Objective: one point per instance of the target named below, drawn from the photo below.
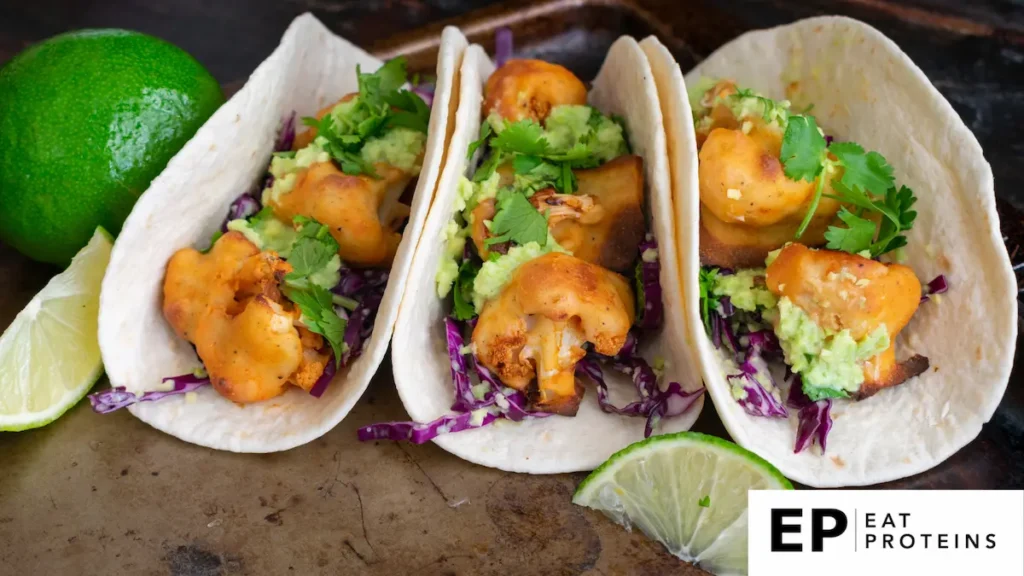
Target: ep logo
(822, 523)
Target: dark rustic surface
(90, 494)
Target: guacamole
(399, 147)
(267, 233)
(745, 289)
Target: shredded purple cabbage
(285, 134)
(650, 281)
(464, 399)
(654, 403)
(502, 46)
(111, 399)
(420, 433)
(320, 386)
(938, 285)
(814, 418)
(425, 90)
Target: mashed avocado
(494, 274)
(745, 289)
(568, 125)
(472, 193)
(328, 276)
(285, 170)
(267, 233)
(829, 363)
(448, 269)
(400, 147)
(745, 104)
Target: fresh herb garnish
(485, 133)
(463, 293)
(382, 104)
(708, 301)
(318, 316)
(312, 251)
(866, 183)
(705, 502)
(517, 220)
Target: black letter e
(779, 528)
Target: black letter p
(818, 532)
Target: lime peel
(49, 355)
(659, 484)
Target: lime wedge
(49, 355)
(687, 491)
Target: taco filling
(549, 267)
(287, 292)
(800, 238)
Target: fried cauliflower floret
(350, 207)
(842, 291)
(529, 89)
(748, 205)
(602, 223)
(536, 328)
(228, 304)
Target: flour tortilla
(865, 89)
(188, 201)
(555, 444)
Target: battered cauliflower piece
(536, 328)
(228, 304)
(841, 291)
(353, 208)
(748, 205)
(602, 223)
(529, 89)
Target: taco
(253, 323)
(836, 195)
(547, 265)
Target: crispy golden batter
(523, 89)
(748, 205)
(349, 206)
(227, 302)
(537, 326)
(603, 222)
(841, 291)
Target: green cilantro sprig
(518, 221)
(382, 105)
(463, 292)
(707, 280)
(312, 251)
(866, 183)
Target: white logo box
(916, 532)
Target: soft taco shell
(624, 86)
(865, 89)
(188, 201)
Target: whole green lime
(87, 120)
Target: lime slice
(49, 355)
(687, 491)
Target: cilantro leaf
(869, 172)
(524, 164)
(463, 293)
(413, 111)
(485, 133)
(708, 301)
(392, 74)
(517, 220)
(803, 149)
(856, 237)
(319, 317)
(522, 137)
(311, 252)
(566, 182)
(484, 171)
(889, 237)
(705, 502)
